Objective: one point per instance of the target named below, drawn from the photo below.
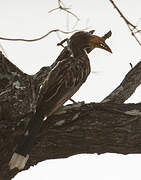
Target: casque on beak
(99, 42)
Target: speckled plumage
(63, 81)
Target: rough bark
(127, 87)
(77, 128)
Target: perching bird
(63, 81)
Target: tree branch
(89, 128)
(61, 7)
(39, 38)
(127, 87)
(130, 25)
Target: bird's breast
(77, 73)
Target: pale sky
(30, 19)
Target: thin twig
(138, 31)
(130, 25)
(61, 7)
(121, 14)
(131, 65)
(74, 102)
(37, 39)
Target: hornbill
(63, 81)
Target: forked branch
(133, 28)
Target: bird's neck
(77, 52)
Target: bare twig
(61, 7)
(138, 31)
(37, 39)
(130, 25)
(62, 42)
(131, 65)
(107, 35)
(74, 102)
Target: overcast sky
(30, 19)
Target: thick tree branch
(89, 128)
(127, 87)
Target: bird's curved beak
(99, 42)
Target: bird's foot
(18, 161)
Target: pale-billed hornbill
(63, 81)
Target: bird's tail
(21, 154)
(18, 161)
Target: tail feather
(24, 147)
(18, 161)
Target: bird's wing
(65, 53)
(61, 83)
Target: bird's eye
(102, 45)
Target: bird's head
(86, 40)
